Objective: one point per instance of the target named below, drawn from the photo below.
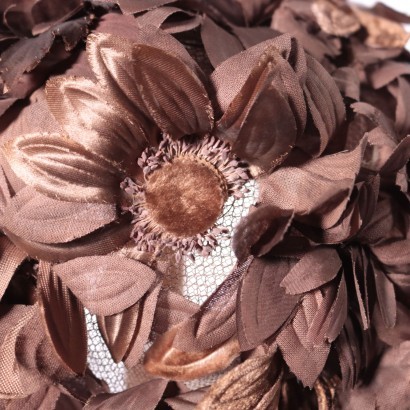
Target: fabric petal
(162, 86)
(305, 359)
(219, 44)
(61, 168)
(260, 122)
(106, 285)
(260, 231)
(38, 218)
(144, 396)
(313, 270)
(147, 307)
(319, 188)
(105, 240)
(11, 258)
(102, 127)
(64, 318)
(263, 306)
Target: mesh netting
(199, 280)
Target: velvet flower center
(186, 184)
(185, 197)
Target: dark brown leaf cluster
(313, 95)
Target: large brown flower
(110, 156)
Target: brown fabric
(10, 259)
(91, 280)
(188, 204)
(310, 286)
(64, 319)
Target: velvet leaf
(253, 384)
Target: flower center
(182, 195)
(186, 196)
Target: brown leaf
(188, 400)
(403, 107)
(5, 192)
(38, 218)
(296, 18)
(325, 104)
(11, 258)
(179, 20)
(389, 386)
(15, 382)
(144, 396)
(106, 285)
(251, 36)
(26, 54)
(393, 253)
(382, 32)
(285, 54)
(264, 97)
(118, 330)
(304, 358)
(134, 6)
(219, 44)
(260, 231)
(254, 384)
(320, 188)
(263, 306)
(337, 314)
(160, 84)
(172, 308)
(335, 19)
(147, 307)
(313, 270)
(61, 168)
(105, 240)
(215, 321)
(101, 126)
(45, 398)
(64, 319)
(348, 81)
(386, 296)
